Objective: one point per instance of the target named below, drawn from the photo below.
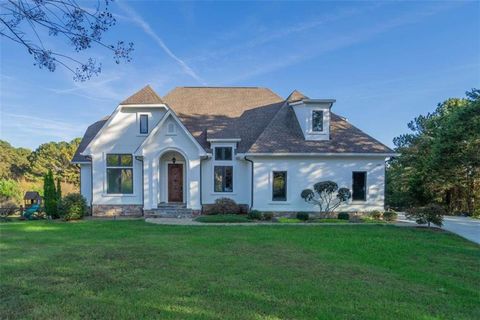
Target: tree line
(22, 169)
(439, 160)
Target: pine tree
(59, 190)
(50, 195)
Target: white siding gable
(303, 112)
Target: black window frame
(224, 181)
(121, 168)
(285, 186)
(315, 118)
(355, 196)
(143, 116)
(223, 154)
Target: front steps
(169, 210)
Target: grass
(289, 220)
(223, 218)
(135, 270)
(328, 220)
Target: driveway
(465, 227)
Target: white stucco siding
(86, 182)
(160, 144)
(241, 182)
(303, 173)
(303, 113)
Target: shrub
(428, 214)
(476, 213)
(268, 216)
(344, 216)
(72, 207)
(326, 195)
(304, 216)
(390, 215)
(224, 206)
(376, 215)
(8, 208)
(255, 215)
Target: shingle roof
(31, 195)
(87, 137)
(264, 121)
(224, 112)
(145, 95)
(284, 135)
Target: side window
(223, 179)
(119, 174)
(317, 120)
(223, 153)
(279, 186)
(359, 186)
(143, 124)
(171, 128)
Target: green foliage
(267, 216)
(255, 215)
(223, 206)
(223, 218)
(326, 195)
(72, 207)
(288, 220)
(50, 196)
(20, 163)
(390, 215)
(304, 216)
(376, 215)
(428, 214)
(343, 216)
(439, 160)
(59, 190)
(9, 190)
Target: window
(223, 153)
(359, 186)
(120, 173)
(279, 186)
(223, 179)
(317, 120)
(143, 124)
(171, 128)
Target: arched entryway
(172, 177)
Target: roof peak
(296, 96)
(146, 95)
(220, 87)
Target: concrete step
(169, 212)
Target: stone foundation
(127, 210)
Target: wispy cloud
(139, 21)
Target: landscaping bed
(132, 269)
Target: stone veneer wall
(106, 210)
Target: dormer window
(143, 124)
(317, 120)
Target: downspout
(251, 182)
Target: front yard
(136, 270)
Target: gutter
(251, 184)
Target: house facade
(198, 144)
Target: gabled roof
(284, 135)
(224, 112)
(296, 96)
(145, 95)
(32, 195)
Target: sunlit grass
(136, 270)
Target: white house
(198, 144)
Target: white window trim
(366, 188)
(231, 163)
(138, 123)
(105, 182)
(310, 130)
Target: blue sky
(384, 62)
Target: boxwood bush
(343, 216)
(304, 216)
(390, 215)
(72, 207)
(255, 215)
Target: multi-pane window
(317, 120)
(279, 186)
(143, 124)
(223, 179)
(119, 173)
(223, 153)
(359, 186)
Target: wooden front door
(175, 182)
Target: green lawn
(132, 269)
(223, 218)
